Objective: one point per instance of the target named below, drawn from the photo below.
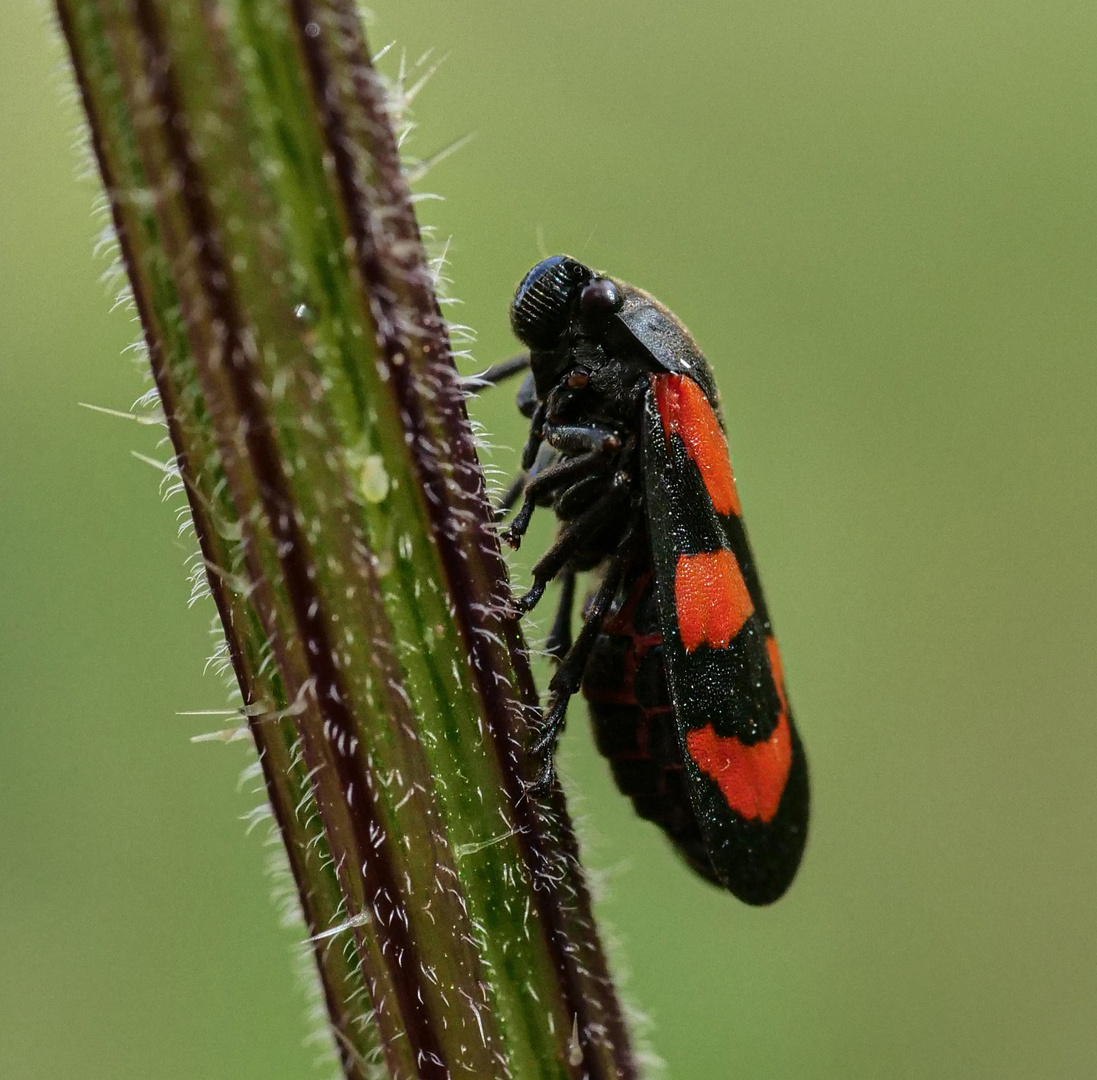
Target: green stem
(308, 387)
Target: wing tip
(758, 861)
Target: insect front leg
(536, 437)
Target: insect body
(676, 655)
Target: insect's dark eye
(542, 305)
(599, 298)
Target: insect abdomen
(625, 685)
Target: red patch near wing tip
(711, 599)
(751, 778)
(686, 411)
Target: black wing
(747, 775)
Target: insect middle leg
(570, 541)
(545, 482)
(588, 447)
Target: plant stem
(319, 429)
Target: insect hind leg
(569, 675)
(558, 643)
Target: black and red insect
(676, 655)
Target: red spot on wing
(686, 412)
(751, 778)
(711, 599)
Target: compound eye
(542, 305)
(599, 298)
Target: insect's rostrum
(676, 654)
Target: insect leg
(566, 471)
(517, 529)
(536, 437)
(497, 373)
(553, 561)
(552, 476)
(582, 438)
(558, 642)
(569, 675)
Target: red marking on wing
(711, 599)
(751, 778)
(685, 411)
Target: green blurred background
(880, 223)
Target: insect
(676, 655)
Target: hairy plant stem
(320, 434)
